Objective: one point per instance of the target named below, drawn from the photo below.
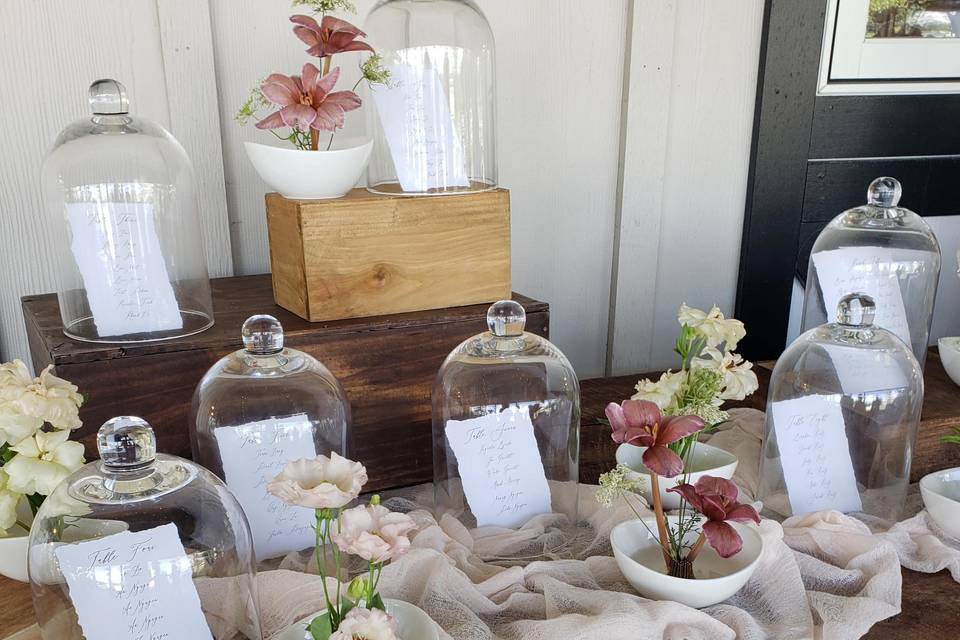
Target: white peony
(366, 624)
(15, 425)
(713, 326)
(8, 503)
(43, 461)
(739, 380)
(662, 393)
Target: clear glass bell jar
(841, 423)
(885, 251)
(123, 226)
(257, 409)
(140, 544)
(434, 123)
(506, 431)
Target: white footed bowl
(641, 563)
(311, 175)
(13, 555)
(412, 623)
(949, 349)
(706, 461)
(941, 496)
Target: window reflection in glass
(913, 19)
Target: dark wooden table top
(930, 601)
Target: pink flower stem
(695, 551)
(661, 519)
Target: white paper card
(865, 370)
(415, 115)
(252, 455)
(134, 585)
(868, 270)
(500, 467)
(815, 455)
(118, 254)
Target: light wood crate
(369, 255)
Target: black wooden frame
(812, 156)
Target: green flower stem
(321, 530)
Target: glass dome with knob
(506, 427)
(254, 411)
(123, 225)
(142, 544)
(885, 251)
(842, 415)
(434, 126)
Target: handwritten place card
(118, 254)
(415, 115)
(500, 467)
(815, 454)
(865, 370)
(252, 455)
(134, 585)
(875, 271)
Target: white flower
(8, 503)
(713, 326)
(321, 483)
(374, 533)
(739, 380)
(15, 425)
(43, 461)
(14, 380)
(366, 624)
(53, 400)
(663, 392)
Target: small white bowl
(641, 563)
(13, 554)
(706, 461)
(412, 623)
(311, 175)
(941, 496)
(949, 349)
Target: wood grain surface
(370, 255)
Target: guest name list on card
(815, 454)
(500, 467)
(252, 455)
(137, 586)
(120, 261)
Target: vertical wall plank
(186, 42)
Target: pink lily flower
(640, 422)
(331, 36)
(307, 101)
(716, 498)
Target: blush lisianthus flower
(640, 423)
(374, 533)
(330, 37)
(42, 462)
(716, 498)
(307, 101)
(320, 483)
(366, 624)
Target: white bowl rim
(951, 342)
(743, 528)
(388, 601)
(927, 481)
(722, 453)
(362, 142)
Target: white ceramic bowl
(311, 175)
(13, 555)
(706, 461)
(412, 623)
(941, 496)
(949, 349)
(641, 563)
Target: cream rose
(662, 393)
(374, 533)
(43, 461)
(366, 624)
(53, 400)
(321, 483)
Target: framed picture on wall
(890, 47)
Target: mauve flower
(331, 36)
(640, 422)
(307, 101)
(374, 533)
(321, 483)
(366, 624)
(716, 498)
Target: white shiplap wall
(615, 136)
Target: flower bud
(357, 588)
(375, 500)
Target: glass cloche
(124, 228)
(842, 414)
(254, 411)
(884, 251)
(140, 544)
(434, 124)
(506, 429)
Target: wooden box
(368, 255)
(386, 364)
